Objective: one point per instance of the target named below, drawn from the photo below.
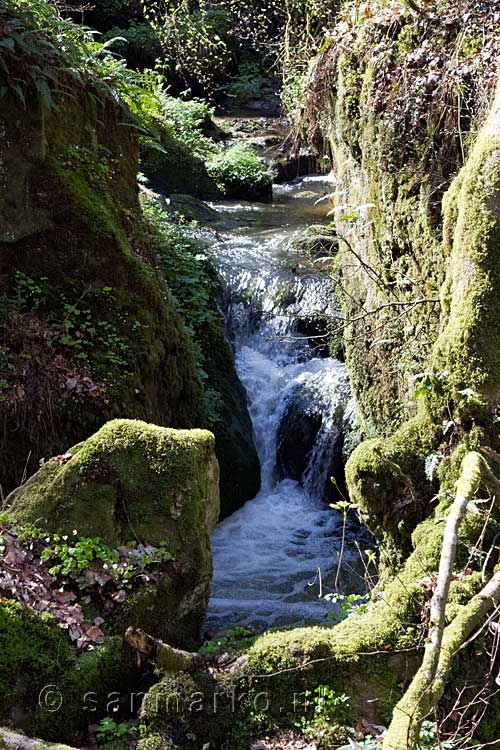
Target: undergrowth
(192, 279)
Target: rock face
(136, 481)
(89, 331)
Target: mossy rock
(133, 480)
(191, 709)
(313, 242)
(241, 174)
(387, 481)
(175, 169)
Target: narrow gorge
(249, 375)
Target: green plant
(430, 740)
(231, 641)
(322, 705)
(108, 730)
(350, 604)
(139, 44)
(239, 170)
(73, 558)
(248, 82)
(91, 338)
(344, 506)
(30, 292)
(43, 52)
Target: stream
(274, 556)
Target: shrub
(240, 173)
(139, 44)
(249, 81)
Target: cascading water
(267, 554)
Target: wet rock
(314, 242)
(193, 208)
(311, 433)
(289, 166)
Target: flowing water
(267, 554)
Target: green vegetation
(109, 308)
(322, 706)
(35, 654)
(240, 173)
(155, 485)
(232, 641)
(249, 81)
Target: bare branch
(427, 686)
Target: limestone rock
(136, 481)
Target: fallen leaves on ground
(26, 579)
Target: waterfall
(267, 554)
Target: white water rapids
(267, 554)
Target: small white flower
(115, 566)
(47, 539)
(75, 532)
(65, 537)
(105, 566)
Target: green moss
(386, 480)
(469, 341)
(95, 678)
(173, 168)
(33, 652)
(36, 653)
(192, 708)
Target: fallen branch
(165, 657)
(427, 686)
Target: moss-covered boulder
(241, 174)
(136, 481)
(174, 168)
